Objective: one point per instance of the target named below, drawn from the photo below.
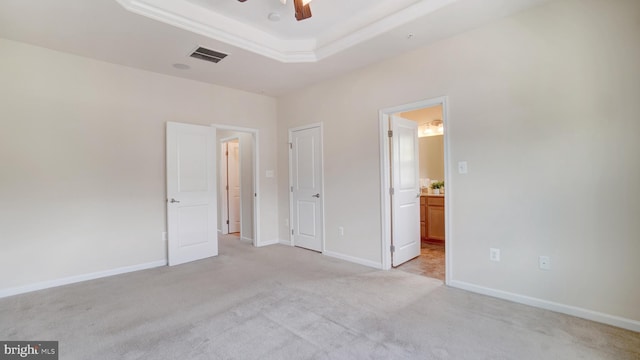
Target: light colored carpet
(287, 303)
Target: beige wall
(82, 160)
(431, 147)
(544, 107)
(424, 115)
(432, 157)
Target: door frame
(224, 173)
(385, 173)
(255, 135)
(322, 203)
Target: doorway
(432, 258)
(238, 183)
(231, 199)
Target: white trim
(256, 176)
(385, 212)
(353, 259)
(244, 238)
(291, 131)
(448, 198)
(79, 278)
(377, 28)
(613, 320)
(269, 243)
(286, 242)
(211, 24)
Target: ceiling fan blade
(242, 0)
(302, 11)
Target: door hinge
(291, 231)
(393, 248)
(227, 187)
(227, 222)
(226, 153)
(292, 189)
(391, 191)
(290, 145)
(390, 133)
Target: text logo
(10, 350)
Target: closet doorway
(230, 176)
(238, 183)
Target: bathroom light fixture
(431, 128)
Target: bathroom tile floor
(430, 263)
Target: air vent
(208, 55)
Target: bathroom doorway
(431, 262)
(432, 259)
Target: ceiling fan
(303, 10)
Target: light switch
(462, 167)
(269, 173)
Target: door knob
(316, 196)
(173, 201)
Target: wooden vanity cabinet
(423, 217)
(432, 218)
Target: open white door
(191, 192)
(305, 169)
(405, 201)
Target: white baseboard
(613, 320)
(244, 238)
(78, 278)
(354, 259)
(285, 242)
(267, 243)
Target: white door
(306, 188)
(233, 183)
(191, 192)
(405, 201)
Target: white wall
(245, 144)
(544, 107)
(82, 160)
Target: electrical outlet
(341, 230)
(544, 262)
(494, 254)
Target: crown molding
(190, 17)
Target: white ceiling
(264, 57)
(325, 16)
